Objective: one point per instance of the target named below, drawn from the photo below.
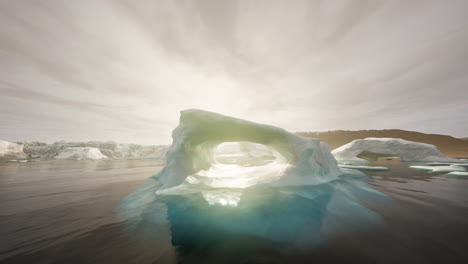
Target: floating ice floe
(362, 167)
(13, 151)
(447, 163)
(369, 148)
(457, 173)
(79, 153)
(449, 168)
(230, 177)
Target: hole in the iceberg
(246, 154)
(238, 165)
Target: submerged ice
(362, 167)
(226, 177)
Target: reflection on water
(46, 203)
(297, 217)
(62, 212)
(222, 197)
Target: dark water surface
(63, 212)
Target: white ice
(440, 168)
(377, 147)
(81, 153)
(457, 173)
(362, 167)
(111, 149)
(447, 163)
(13, 151)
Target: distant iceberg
(112, 150)
(81, 153)
(359, 149)
(13, 151)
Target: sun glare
(238, 165)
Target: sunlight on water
(241, 165)
(224, 198)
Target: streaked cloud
(122, 70)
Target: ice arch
(375, 147)
(302, 206)
(241, 165)
(199, 132)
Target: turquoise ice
(226, 178)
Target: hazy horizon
(170, 141)
(122, 70)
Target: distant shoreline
(450, 146)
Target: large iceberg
(302, 160)
(227, 178)
(370, 148)
(81, 153)
(9, 150)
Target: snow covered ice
(13, 151)
(113, 150)
(356, 150)
(231, 177)
(81, 153)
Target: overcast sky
(122, 70)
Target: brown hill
(450, 146)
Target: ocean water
(64, 212)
